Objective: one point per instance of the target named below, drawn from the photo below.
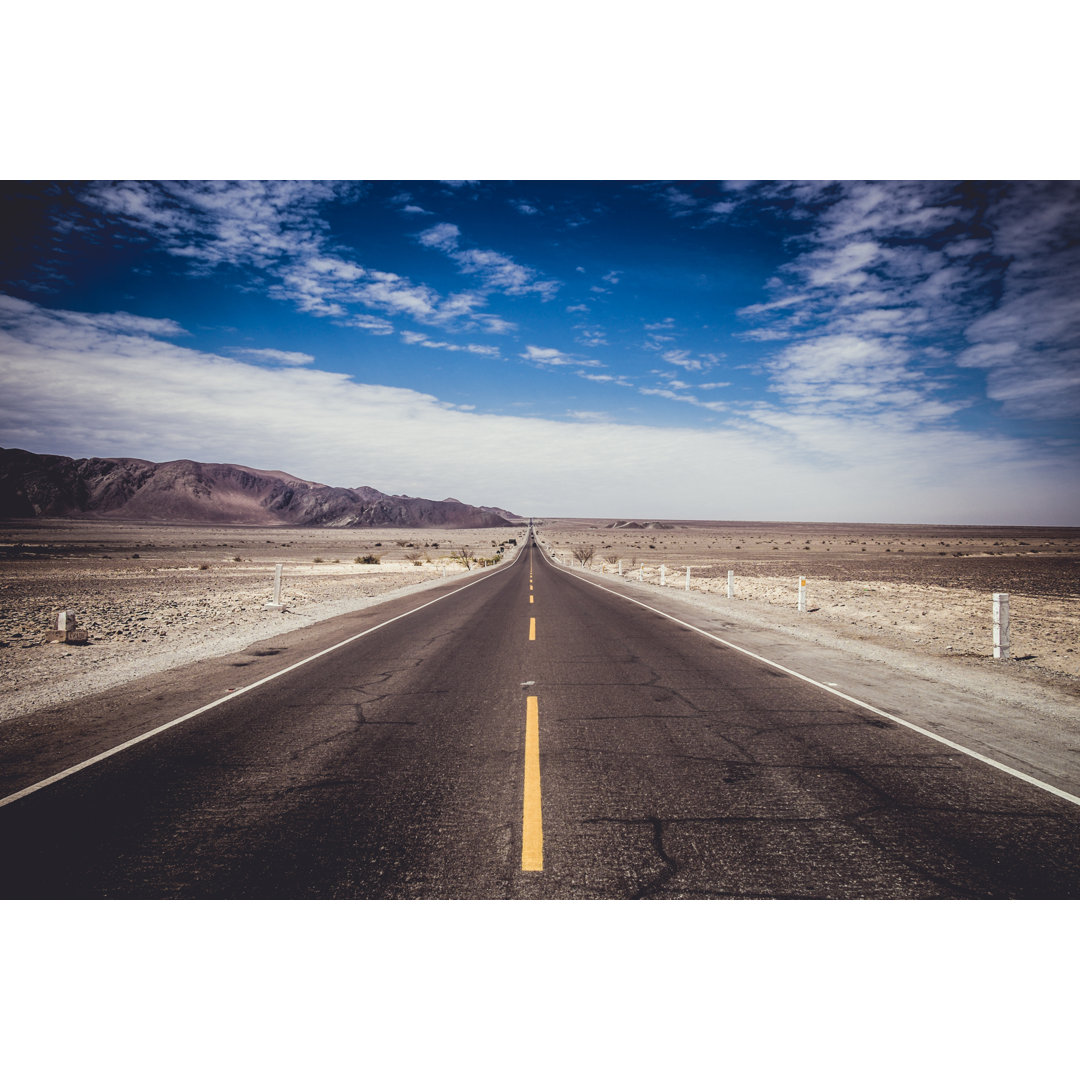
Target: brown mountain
(130, 489)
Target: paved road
(525, 736)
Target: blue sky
(849, 351)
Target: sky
(806, 351)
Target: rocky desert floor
(152, 597)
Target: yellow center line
(531, 599)
(532, 828)
(532, 629)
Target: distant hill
(130, 489)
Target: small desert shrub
(317, 559)
(368, 560)
(204, 566)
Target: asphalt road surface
(526, 735)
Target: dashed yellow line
(532, 629)
(532, 827)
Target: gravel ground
(152, 598)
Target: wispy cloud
(682, 358)
(887, 271)
(497, 272)
(687, 399)
(680, 203)
(275, 228)
(372, 324)
(1029, 344)
(615, 380)
(411, 337)
(549, 357)
(404, 203)
(660, 335)
(276, 356)
(591, 338)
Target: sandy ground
(925, 589)
(154, 597)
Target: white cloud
(275, 227)
(886, 270)
(498, 272)
(443, 236)
(764, 334)
(242, 223)
(616, 380)
(373, 324)
(679, 203)
(1029, 343)
(411, 337)
(591, 338)
(277, 356)
(659, 335)
(686, 399)
(681, 358)
(773, 305)
(548, 357)
(76, 384)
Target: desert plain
(927, 588)
(152, 597)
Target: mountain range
(194, 492)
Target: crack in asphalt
(670, 867)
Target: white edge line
(57, 777)
(1067, 796)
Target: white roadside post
(1001, 626)
(663, 575)
(641, 573)
(276, 604)
(730, 584)
(67, 631)
(688, 579)
(802, 594)
(620, 568)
